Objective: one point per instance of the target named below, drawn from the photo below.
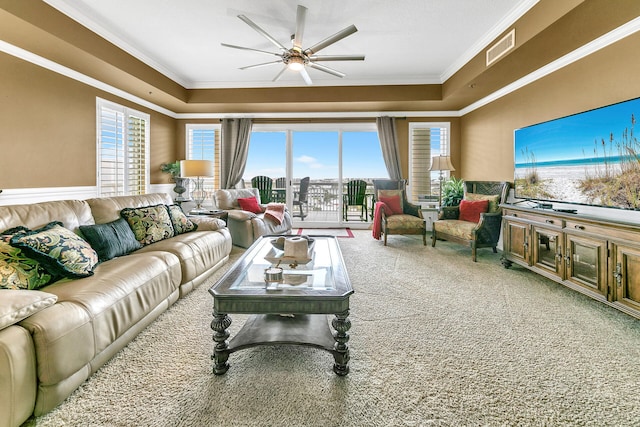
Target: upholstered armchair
(397, 215)
(477, 221)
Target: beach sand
(562, 181)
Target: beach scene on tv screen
(589, 158)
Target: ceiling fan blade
(337, 58)
(266, 35)
(300, 20)
(264, 64)
(326, 69)
(277, 77)
(249, 48)
(306, 77)
(331, 40)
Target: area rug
(336, 232)
(436, 340)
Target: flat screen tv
(590, 158)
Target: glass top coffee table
(291, 301)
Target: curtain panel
(389, 144)
(235, 148)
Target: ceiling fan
(296, 58)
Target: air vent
(501, 48)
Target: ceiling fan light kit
(296, 58)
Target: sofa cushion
(494, 200)
(17, 270)
(394, 203)
(471, 210)
(455, 227)
(150, 223)
(404, 222)
(60, 250)
(249, 204)
(111, 239)
(20, 304)
(181, 223)
(228, 199)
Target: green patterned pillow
(17, 271)
(150, 223)
(60, 250)
(181, 224)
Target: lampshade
(441, 163)
(196, 168)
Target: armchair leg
(385, 239)
(424, 237)
(473, 252)
(433, 238)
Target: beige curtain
(235, 148)
(389, 144)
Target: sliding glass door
(316, 162)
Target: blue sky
(574, 137)
(315, 154)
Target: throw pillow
(249, 204)
(392, 193)
(394, 203)
(60, 250)
(181, 223)
(471, 210)
(494, 200)
(17, 270)
(150, 224)
(20, 304)
(111, 240)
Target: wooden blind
(123, 136)
(203, 143)
(427, 140)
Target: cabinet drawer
(590, 228)
(542, 219)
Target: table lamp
(441, 164)
(197, 170)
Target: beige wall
(605, 77)
(48, 129)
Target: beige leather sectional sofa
(74, 326)
(246, 227)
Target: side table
(223, 215)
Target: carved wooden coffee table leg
(341, 324)
(219, 324)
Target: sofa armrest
(240, 215)
(17, 305)
(208, 224)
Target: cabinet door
(625, 277)
(586, 262)
(546, 250)
(515, 243)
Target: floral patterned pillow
(60, 250)
(18, 271)
(181, 224)
(150, 224)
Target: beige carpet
(437, 340)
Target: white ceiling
(405, 41)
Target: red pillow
(471, 210)
(249, 204)
(393, 202)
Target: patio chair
(263, 184)
(478, 219)
(279, 193)
(301, 197)
(355, 196)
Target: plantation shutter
(203, 143)
(123, 139)
(427, 140)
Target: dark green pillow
(60, 250)
(112, 239)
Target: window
(426, 141)
(203, 143)
(123, 150)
